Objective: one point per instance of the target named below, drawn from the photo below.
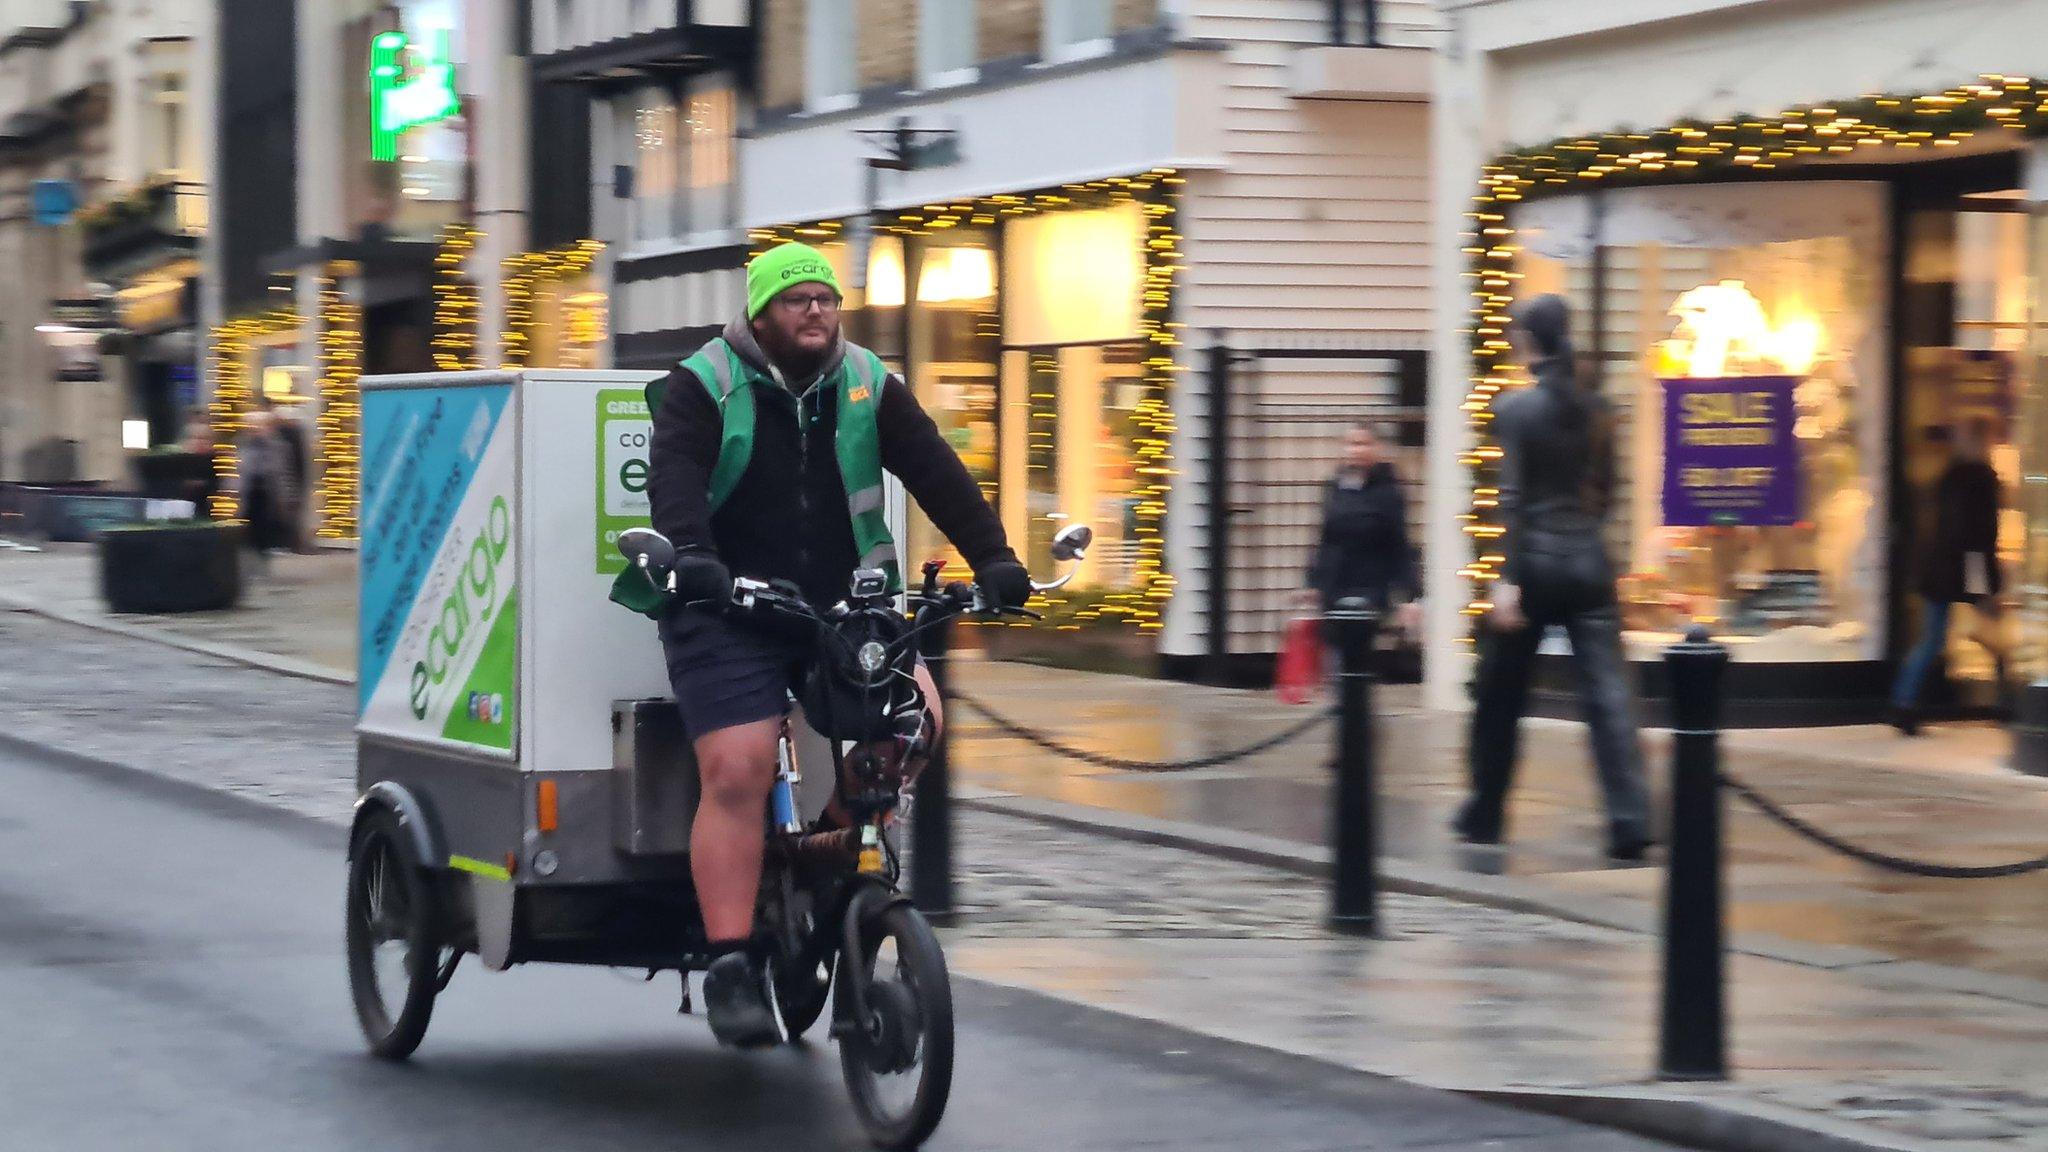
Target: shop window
(648, 128)
(830, 78)
(1964, 332)
(1026, 350)
(164, 135)
(1074, 277)
(1072, 379)
(1077, 29)
(1742, 346)
(708, 134)
(946, 43)
(1071, 456)
(954, 353)
(680, 154)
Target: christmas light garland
(1683, 152)
(523, 276)
(341, 408)
(457, 308)
(234, 394)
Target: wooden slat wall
(1316, 230)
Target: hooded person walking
(1556, 487)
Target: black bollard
(1354, 905)
(1695, 1042)
(931, 815)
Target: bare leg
(735, 767)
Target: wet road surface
(174, 980)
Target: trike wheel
(393, 938)
(899, 1062)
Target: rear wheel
(395, 960)
(898, 1063)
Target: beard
(797, 352)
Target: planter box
(186, 567)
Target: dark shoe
(1906, 720)
(736, 1001)
(1473, 830)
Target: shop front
(1790, 362)
(1800, 318)
(1036, 332)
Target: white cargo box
(491, 502)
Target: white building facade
(103, 123)
(1109, 210)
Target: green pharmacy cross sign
(399, 103)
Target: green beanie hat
(782, 267)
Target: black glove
(1004, 583)
(702, 576)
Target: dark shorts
(725, 674)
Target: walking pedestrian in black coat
(1556, 486)
(1960, 565)
(1363, 548)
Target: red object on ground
(1299, 671)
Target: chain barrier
(1119, 763)
(1871, 856)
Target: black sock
(723, 948)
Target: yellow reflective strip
(481, 868)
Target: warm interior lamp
(885, 273)
(1724, 322)
(951, 275)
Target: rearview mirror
(646, 548)
(1072, 542)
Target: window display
(1741, 331)
(1038, 387)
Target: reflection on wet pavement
(1943, 797)
(1461, 995)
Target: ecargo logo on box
(470, 605)
(628, 438)
(625, 441)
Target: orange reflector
(544, 802)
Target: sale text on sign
(1729, 453)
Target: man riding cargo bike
(773, 578)
(769, 448)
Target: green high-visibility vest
(857, 445)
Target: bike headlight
(872, 657)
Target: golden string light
(457, 309)
(1687, 150)
(340, 424)
(235, 381)
(1157, 192)
(524, 275)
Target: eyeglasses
(804, 302)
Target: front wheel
(393, 939)
(899, 1062)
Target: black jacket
(787, 517)
(1557, 471)
(1364, 548)
(1965, 521)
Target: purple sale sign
(1729, 453)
